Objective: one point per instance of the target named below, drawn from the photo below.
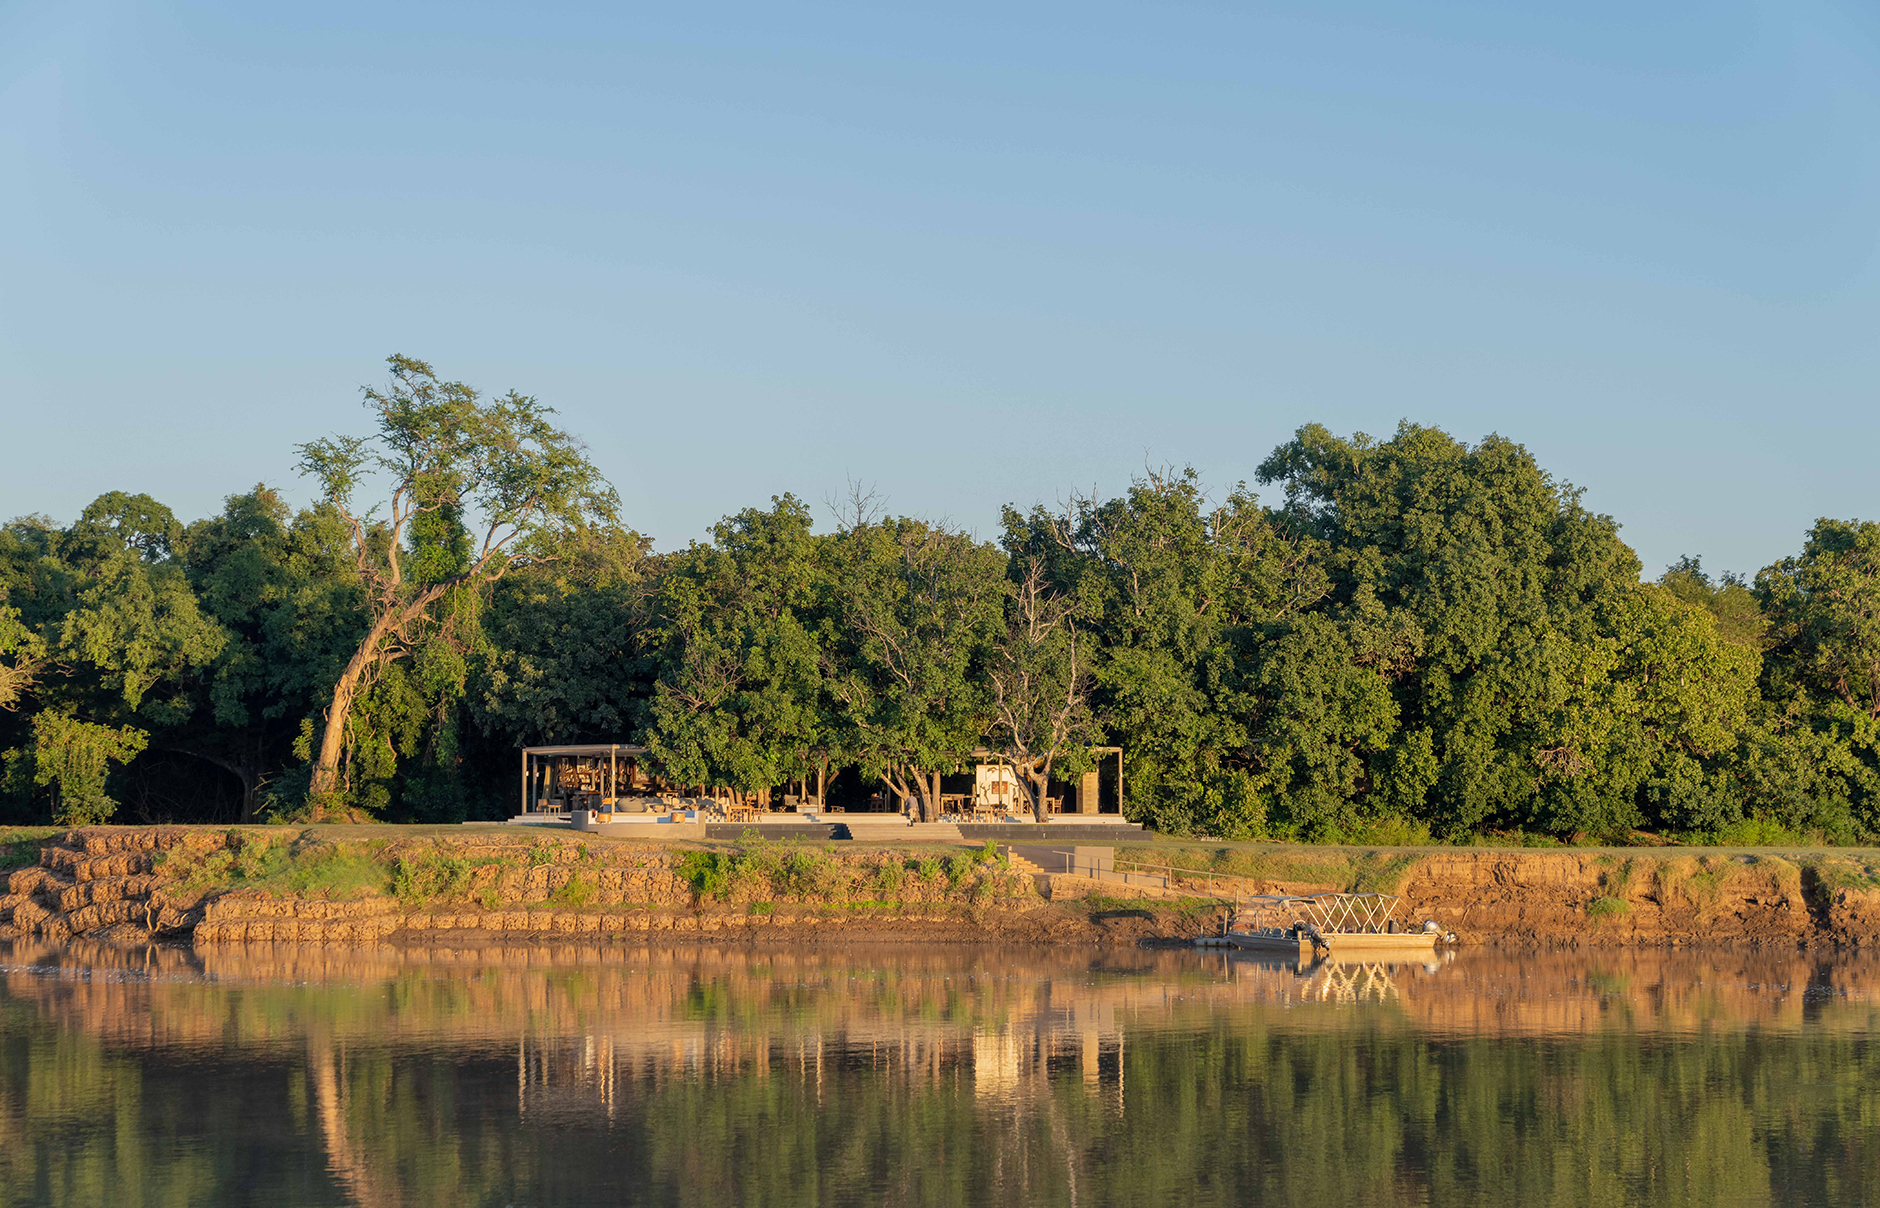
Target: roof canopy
(598, 748)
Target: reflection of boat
(1329, 924)
(1303, 962)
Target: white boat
(1329, 924)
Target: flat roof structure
(538, 765)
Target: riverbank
(429, 885)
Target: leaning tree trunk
(333, 740)
(339, 712)
(346, 691)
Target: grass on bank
(301, 867)
(19, 845)
(1352, 870)
(422, 870)
(423, 865)
(757, 869)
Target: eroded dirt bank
(129, 885)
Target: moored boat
(1330, 924)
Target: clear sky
(969, 253)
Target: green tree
(1039, 683)
(917, 607)
(22, 657)
(565, 659)
(1175, 594)
(1315, 720)
(1822, 674)
(738, 697)
(72, 758)
(1476, 577)
(451, 458)
(284, 589)
(1640, 723)
(1728, 598)
(104, 632)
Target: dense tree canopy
(1417, 638)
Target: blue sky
(970, 254)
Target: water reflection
(694, 1075)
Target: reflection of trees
(351, 1164)
(699, 1076)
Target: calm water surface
(932, 1075)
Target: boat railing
(1329, 913)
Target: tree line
(1417, 638)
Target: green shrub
(405, 884)
(331, 869)
(814, 874)
(1605, 907)
(577, 894)
(256, 859)
(415, 880)
(758, 866)
(707, 872)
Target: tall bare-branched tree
(1040, 687)
(452, 460)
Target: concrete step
(894, 830)
(1039, 876)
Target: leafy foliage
(1419, 639)
(72, 758)
(451, 459)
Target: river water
(933, 1075)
